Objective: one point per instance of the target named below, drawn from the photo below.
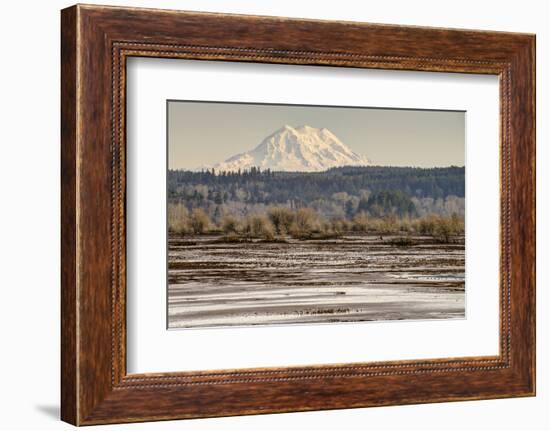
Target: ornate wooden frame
(95, 42)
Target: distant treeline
(280, 187)
(336, 193)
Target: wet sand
(354, 278)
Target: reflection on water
(355, 278)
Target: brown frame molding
(95, 43)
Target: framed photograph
(303, 228)
(264, 215)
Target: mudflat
(354, 278)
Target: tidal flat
(357, 277)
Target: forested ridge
(266, 187)
(274, 204)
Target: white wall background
(29, 215)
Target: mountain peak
(300, 148)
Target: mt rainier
(299, 149)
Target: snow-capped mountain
(298, 149)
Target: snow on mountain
(298, 149)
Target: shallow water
(355, 278)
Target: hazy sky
(204, 133)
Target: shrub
(457, 224)
(198, 222)
(427, 225)
(446, 228)
(282, 219)
(256, 226)
(325, 227)
(305, 223)
(389, 225)
(441, 228)
(230, 225)
(361, 222)
(405, 225)
(178, 219)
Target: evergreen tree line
(280, 187)
(336, 193)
